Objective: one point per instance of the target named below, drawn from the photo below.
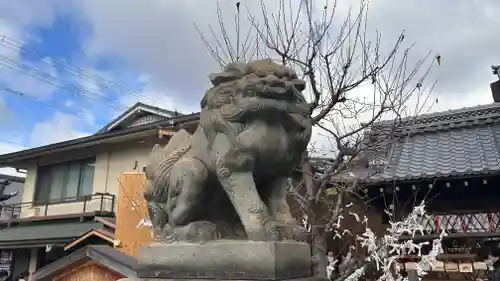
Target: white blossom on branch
(383, 252)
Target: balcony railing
(463, 223)
(99, 202)
(468, 233)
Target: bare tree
(354, 81)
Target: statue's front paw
(157, 234)
(299, 233)
(166, 235)
(279, 231)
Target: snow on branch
(383, 252)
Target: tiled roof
(58, 233)
(444, 120)
(459, 142)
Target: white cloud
(24, 13)
(26, 81)
(8, 147)
(5, 114)
(167, 48)
(160, 39)
(69, 103)
(62, 127)
(16, 20)
(480, 96)
(16, 17)
(12, 172)
(94, 81)
(161, 98)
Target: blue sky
(153, 52)
(36, 99)
(63, 76)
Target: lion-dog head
(261, 89)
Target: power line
(8, 90)
(45, 77)
(14, 143)
(11, 91)
(15, 45)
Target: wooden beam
(452, 235)
(105, 257)
(70, 271)
(87, 235)
(463, 267)
(105, 222)
(131, 209)
(165, 133)
(444, 257)
(86, 215)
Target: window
(65, 181)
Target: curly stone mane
(229, 178)
(247, 91)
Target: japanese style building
(451, 160)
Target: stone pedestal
(225, 260)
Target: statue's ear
(299, 84)
(219, 78)
(230, 73)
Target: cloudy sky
(67, 67)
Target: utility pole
(4, 197)
(495, 86)
(496, 70)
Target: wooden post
(131, 210)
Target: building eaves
(453, 143)
(96, 139)
(443, 120)
(139, 106)
(101, 233)
(107, 221)
(43, 233)
(12, 178)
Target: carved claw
(167, 234)
(157, 234)
(273, 230)
(279, 230)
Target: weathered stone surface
(202, 279)
(226, 259)
(232, 173)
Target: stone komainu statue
(230, 177)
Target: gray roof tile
(451, 143)
(35, 231)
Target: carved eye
(299, 84)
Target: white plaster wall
(109, 165)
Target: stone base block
(163, 279)
(225, 260)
